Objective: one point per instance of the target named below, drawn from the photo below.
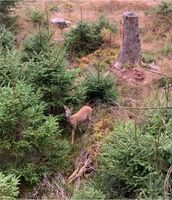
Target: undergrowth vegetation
(147, 57)
(105, 56)
(55, 81)
(9, 186)
(163, 82)
(99, 85)
(37, 17)
(86, 37)
(166, 50)
(11, 66)
(7, 40)
(34, 82)
(24, 128)
(87, 192)
(5, 17)
(35, 44)
(135, 159)
(161, 15)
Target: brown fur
(81, 116)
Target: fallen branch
(158, 73)
(85, 163)
(139, 107)
(50, 185)
(124, 108)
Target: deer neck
(69, 119)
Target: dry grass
(71, 10)
(91, 10)
(111, 6)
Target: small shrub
(7, 40)
(87, 37)
(99, 86)
(87, 192)
(157, 120)
(12, 67)
(5, 6)
(82, 39)
(166, 51)
(163, 8)
(35, 44)
(5, 18)
(8, 186)
(36, 16)
(133, 164)
(106, 35)
(162, 82)
(161, 15)
(54, 8)
(69, 6)
(106, 55)
(101, 128)
(147, 58)
(30, 142)
(104, 23)
(51, 76)
(49, 72)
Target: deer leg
(73, 134)
(89, 117)
(89, 120)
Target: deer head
(68, 112)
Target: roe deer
(82, 115)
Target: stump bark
(130, 53)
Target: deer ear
(65, 107)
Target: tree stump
(130, 53)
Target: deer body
(83, 115)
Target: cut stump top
(130, 14)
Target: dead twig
(50, 185)
(124, 108)
(139, 108)
(158, 73)
(85, 163)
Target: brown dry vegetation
(71, 10)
